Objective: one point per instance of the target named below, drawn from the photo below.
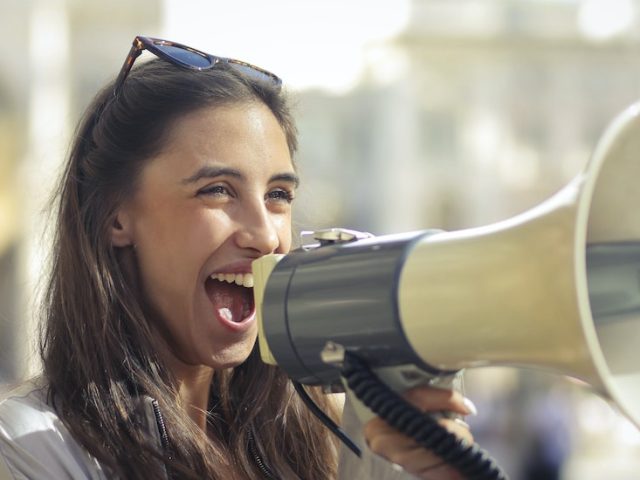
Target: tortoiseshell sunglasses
(190, 58)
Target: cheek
(285, 234)
(181, 232)
(173, 250)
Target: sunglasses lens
(185, 57)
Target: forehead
(244, 136)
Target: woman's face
(217, 197)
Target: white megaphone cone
(555, 288)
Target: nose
(258, 230)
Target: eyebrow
(286, 177)
(210, 171)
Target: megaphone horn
(556, 288)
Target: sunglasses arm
(136, 50)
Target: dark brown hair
(97, 347)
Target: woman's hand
(401, 450)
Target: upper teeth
(244, 279)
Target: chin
(231, 356)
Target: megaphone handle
(364, 384)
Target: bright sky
(309, 43)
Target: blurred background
(413, 114)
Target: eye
(214, 190)
(281, 195)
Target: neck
(193, 384)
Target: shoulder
(23, 411)
(34, 443)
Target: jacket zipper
(164, 438)
(266, 471)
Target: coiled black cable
(469, 459)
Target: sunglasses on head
(190, 58)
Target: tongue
(230, 301)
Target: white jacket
(34, 443)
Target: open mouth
(231, 295)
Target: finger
(459, 428)
(401, 450)
(435, 399)
(412, 458)
(377, 427)
(439, 472)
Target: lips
(231, 296)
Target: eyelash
(281, 194)
(278, 194)
(214, 190)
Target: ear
(121, 234)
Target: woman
(178, 178)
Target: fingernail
(470, 406)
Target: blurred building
(493, 106)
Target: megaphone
(555, 288)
